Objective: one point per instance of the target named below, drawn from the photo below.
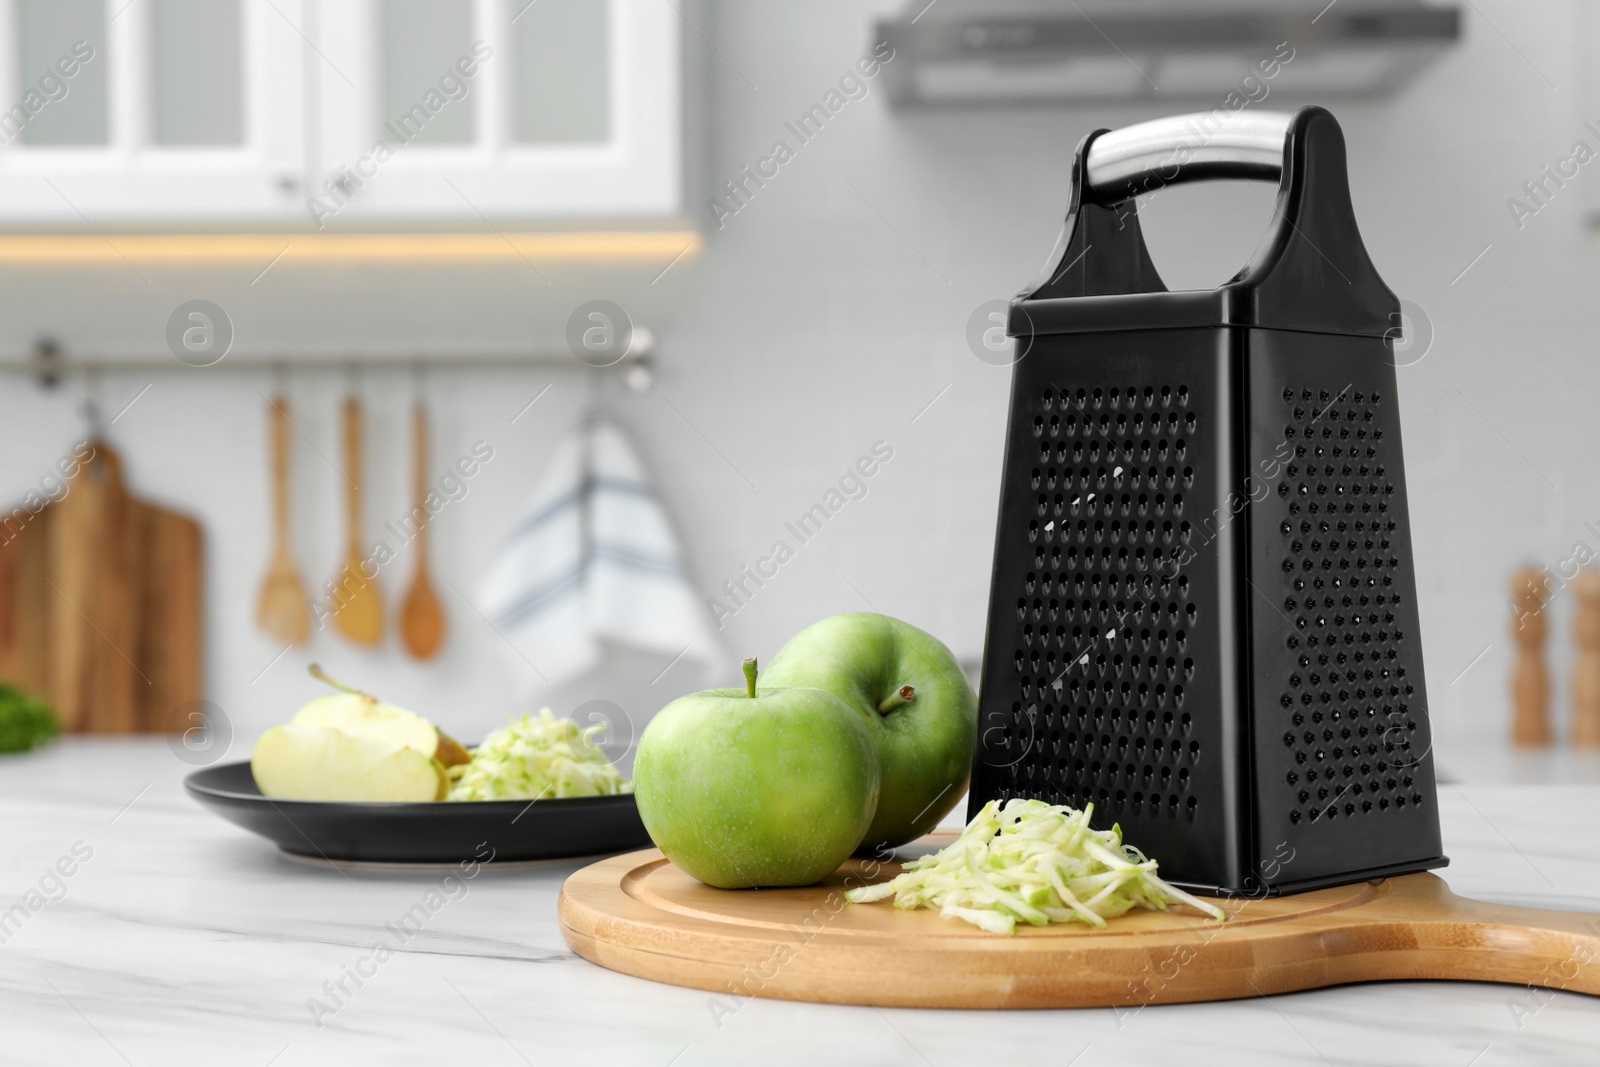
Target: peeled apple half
(297, 762)
(359, 714)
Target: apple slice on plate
(297, 762)
(361, 714)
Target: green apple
(351, 711)
(308, 763)
(921, 710)
(743, 788)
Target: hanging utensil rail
(49, 363)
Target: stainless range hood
(1077, 51)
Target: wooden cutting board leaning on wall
(100, 604)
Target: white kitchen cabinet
(174, 110)
(338, 114)
(571, 109)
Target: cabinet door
(121, 112)
(509, 110)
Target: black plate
(439, 832)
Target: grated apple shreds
(1036, 863)
(533, 757)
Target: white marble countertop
(182, 939)
(1498, 763)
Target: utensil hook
(95, 425)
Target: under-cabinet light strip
(644, 246)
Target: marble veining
(184, 940)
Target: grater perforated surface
(1113, 469)
(1102, 685)
(1342, 749)
(1349, 722)
(1137, 669)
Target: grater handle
(1185, 148)
(1310, 271)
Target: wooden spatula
(282, 612)
(421, 617)
(356, 606)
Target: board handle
(1553, 949)
(1453, 937)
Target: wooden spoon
(282, 611)
(354, 601)
(421, 617)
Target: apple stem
(899, 698)
(318, 673)
(750, 677)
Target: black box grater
(1203, 613)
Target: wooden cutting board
(100, 605)
(639, 914)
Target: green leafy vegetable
(533, 757)
(25, 721)
(1036, 863)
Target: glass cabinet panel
(60, 95)
(425, 100)
(563, 74)
(197, 72)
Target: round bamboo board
(638, 914)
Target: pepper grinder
(1586, 672)
(1530, 681)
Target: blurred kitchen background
(828, 307)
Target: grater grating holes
(1108, 512)
(1349, 722)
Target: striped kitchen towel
(592, 560)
